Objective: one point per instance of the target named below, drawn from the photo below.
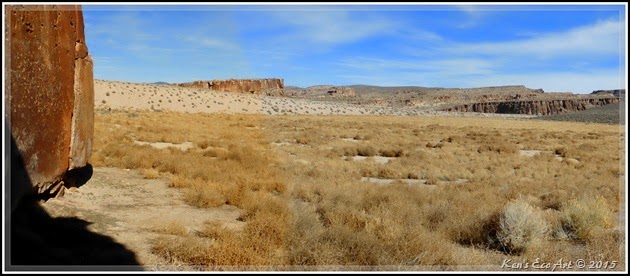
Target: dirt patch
(532, 153)
(280, 144)
(387, 181)
(377, 159)
(131, 210)
(161, 145)
(421, 182)
(351, 140)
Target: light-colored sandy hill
(126, 95)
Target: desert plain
(193, 179)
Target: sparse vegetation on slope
(472, 201)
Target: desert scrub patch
(433, 145)
(345, 151)
(561, 151)
(170, 228)
(204, 144)
(553, 200)
(501, 148)
(216, 153)
(366, 151)
(150, 173)
(216, 231)
(203, 194)
(391, 152)
(319, 212)
(520, 226)
(303, 140)
(584, 219)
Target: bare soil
(132, 211)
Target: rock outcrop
(614, 92)
(252, 86)
(341, 91)
(322, 91)
(537, 107)
(50, 93)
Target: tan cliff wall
(50, 94)
(538, 107)
(253, 86)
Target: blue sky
(558, 48)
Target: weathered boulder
(252, 86)
(50, 92)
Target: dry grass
(237, 171)
(170, 228)
(306, 206)
(587, 218)
(521, 226)
(150, 173)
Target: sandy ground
(132, 210)
(126, 95)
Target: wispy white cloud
(600, 38)
(446, 66)
(123, 26)
(418, 35)
(217, 43)
(333, 27)
(197, 41)
(470, 9)
(473, 16)
(558, 61)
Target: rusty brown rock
(46, 44)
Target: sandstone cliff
(252, 86)
(50, 94)
(536, 107)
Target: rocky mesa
(534, 107)
(251, 86)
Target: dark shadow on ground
(36, 241)
(78, 177)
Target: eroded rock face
(341, 91)
(322, 91)
(49, 90)
(541, 107)
(83, 113)
(257, 86)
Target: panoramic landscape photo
(292, 137)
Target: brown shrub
(366, 151)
